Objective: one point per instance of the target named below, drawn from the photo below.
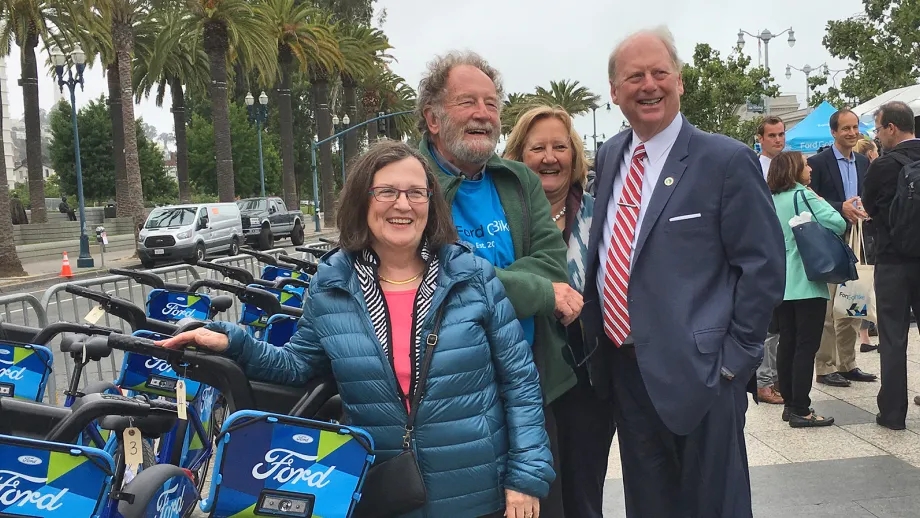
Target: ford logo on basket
(4, 352)
(302, 439)
(29, 460)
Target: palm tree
(231, 28)
(170, 55)
(302, 33)
(10, 265)
(124, 15)
(568, 95)
(513, 107)
(395, 97)
(363, 48)
(26, 22)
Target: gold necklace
(399, 283)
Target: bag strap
(795, 204)
(431, 341)
(901, 158)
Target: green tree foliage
(882, 46)
(95, 127)
(715, 89)
(202, 164)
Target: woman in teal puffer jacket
(479, 435)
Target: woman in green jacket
(800, 317)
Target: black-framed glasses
(391, 194)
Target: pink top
(400, 305)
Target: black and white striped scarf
(366, 267)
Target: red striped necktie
(616, 279)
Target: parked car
(190, 232)
(267, 219)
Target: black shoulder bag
(395, 487)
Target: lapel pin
(669, 181)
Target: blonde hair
(514, 148)
(865, 145)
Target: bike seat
(151, 426)
(221, 303)
(73, 344)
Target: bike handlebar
(315, 252)
(141, 277)
(51, 330)
(96, 406)
(206, 367)
(305, 266)
(281, 282)
(264, 300)
(329, 241)
(265, 258)
(123, 309)
(241, 275)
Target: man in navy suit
(837, 175)
(686, 263)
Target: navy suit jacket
(826, 180)
(701, 290)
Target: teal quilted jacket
(480, 427)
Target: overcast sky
(534, 41)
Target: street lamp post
(765, 36)
(258, 114)
(594, 117)
(314, 145)
(340, 130)
(85, 260)
(807, 70)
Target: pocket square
(686, 216)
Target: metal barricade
(58, 305)
(22, 309)
(247, 262)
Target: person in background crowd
(499, 207)
(897, 276)
(64, 208)
(771, 133)
(685, 266)
(545, 140)
(17, 211)
(837, 176)
(479, 432)
(800, 317)
(870, 150)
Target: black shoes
(834, 379)
(858, 375)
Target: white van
(190, 232)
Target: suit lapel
(602, 198)
(674, 168)
(833, 169)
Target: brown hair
(354, 200)
(785, 171)
(770, 119)
(514, 147)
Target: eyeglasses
(390, 194)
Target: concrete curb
(26, 284)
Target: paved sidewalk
(853, 469)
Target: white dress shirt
(765, 165)
(657, 150)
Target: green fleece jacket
(541, 253)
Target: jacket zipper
(526, 214)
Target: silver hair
(662, 33)
(433, 86)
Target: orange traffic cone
(65, 267)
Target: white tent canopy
(908, 94)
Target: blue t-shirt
(480, 221)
